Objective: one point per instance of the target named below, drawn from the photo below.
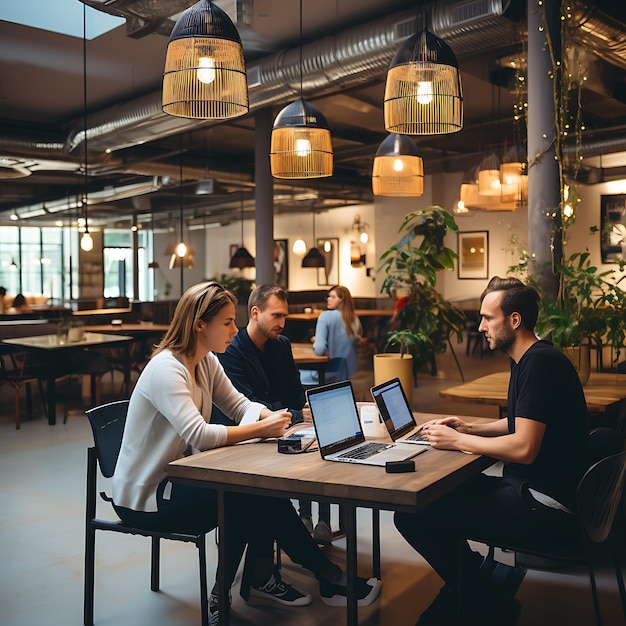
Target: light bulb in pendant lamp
(86, 242)
(423, 93)
(489, 176)
(301, 144)
(398, 168)
(205, 73)
(468, 192)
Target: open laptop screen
(393, 406)
(335, 414)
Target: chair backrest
(604, 442)
(107, 425)
(599, 494)
(337, 367)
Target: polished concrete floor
(42, 470)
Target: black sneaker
(367, 590)
(279, 591)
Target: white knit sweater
(164, 420)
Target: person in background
(542, 444)
(337, 334)
(169, 416)
(3, 293)
(19, 305)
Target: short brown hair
(516, 297)
(262, 294)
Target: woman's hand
(275, 424)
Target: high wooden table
(601, 391)
(259, 469)
(52, 351)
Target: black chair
(18, 372)
(598, 497)
(332, 370)
(107, 424)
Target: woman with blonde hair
(169, 416)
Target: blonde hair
(200, 302)
(350, 319)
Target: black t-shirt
(545, 387)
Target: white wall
(384, 218)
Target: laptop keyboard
(417, 436)
(365, 451)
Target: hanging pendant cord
(301, 92)
(85, 109)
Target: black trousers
(487, 509)
(253, 521)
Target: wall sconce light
(398, 168)
(205, 72)
(361, 228)
(423, 94)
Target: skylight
(61, 16)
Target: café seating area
(43, 470)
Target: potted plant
(589, 310)
(427, 321)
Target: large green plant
(427, 321)
(590, 306)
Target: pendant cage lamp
(423, 93)
(314, 258)
(301, 144)
(489, 176)
(205, 73)
(514, 175)
(242, 258)
(398, 168)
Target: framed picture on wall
(329, 274)
(613, 233)
(281, 263)
(474, 254)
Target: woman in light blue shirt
(337, 333)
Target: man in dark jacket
(259, 361)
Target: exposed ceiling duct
(354, 57)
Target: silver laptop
(396, 412)
(339, 433)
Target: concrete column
(264, 196)
(544, 173)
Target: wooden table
(306, 359)
(259, 469)
(601, 391)
(52, 351)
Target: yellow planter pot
(388, 366)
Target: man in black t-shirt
(542, 444)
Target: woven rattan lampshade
(513, 176)
(301, 145)
(398, 168)
(489, 176)
(205, 74)
(423, 94)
